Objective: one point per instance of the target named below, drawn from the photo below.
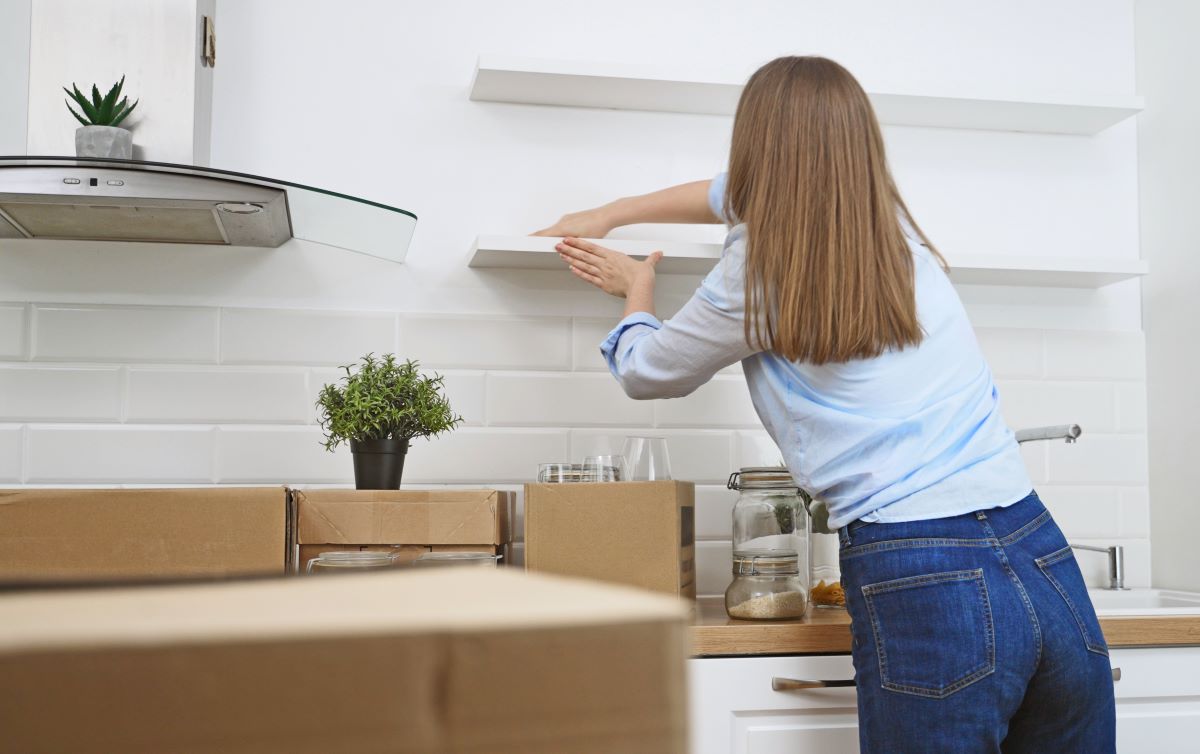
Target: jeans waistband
(1008, 523)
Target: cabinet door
(736, 711)
(1158, 700)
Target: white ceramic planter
(103, 141)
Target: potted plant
(99, 135)
(377, 408)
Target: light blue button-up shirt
(908, 435)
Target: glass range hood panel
(187, 204)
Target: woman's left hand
(610, 271)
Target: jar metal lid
(762, 478)
(766, 563)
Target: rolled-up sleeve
(654, 359)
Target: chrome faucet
(1116, 563)
(1068, 432)
(1071, 433)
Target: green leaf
(124, 112)
(96, 100)
(84, 106)
(78, 117)
(110, 101)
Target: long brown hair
(829, 274)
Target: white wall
(14, 74)
(1169, 161)
(206, 363)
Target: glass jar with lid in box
(350, 561)
(766, 585)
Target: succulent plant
(101, 111)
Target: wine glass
(646, 458)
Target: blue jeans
(975, 633)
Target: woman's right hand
(590, 223)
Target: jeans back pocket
(1063, 572)
(933, 633)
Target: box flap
(425, 517)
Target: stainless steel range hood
(80, 199)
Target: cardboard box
(74, 534)
(493, 661)
(470, 520)
(637, 533)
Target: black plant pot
(378, 464)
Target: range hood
(129, 201)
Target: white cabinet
(734, 709)
(1158, 700)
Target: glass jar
(438, 559)
(825, 571)
(766, 586)
(350, 561)
(769, 514)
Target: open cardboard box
(430, 661)
(402, 522)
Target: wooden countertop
(825, 631)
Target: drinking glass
(558, 472)
(604, 468)
(646, 458)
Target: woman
(973, 631)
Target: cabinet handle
(1116, 674)
(795, 684)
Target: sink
(1144, 602)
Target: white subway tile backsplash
(586, 336)
(702, 457)
(121, 334)
(1131, 406)
(282, 336)
(74, 454)
(1095, 355)
(1098, 459)
(488, 342)
(714, 568)
(714, 511)
(1083, 511)
(1012, 353)
(724, 401)
(60, 394)
(279, 455)
(1034, 454)
(1026, 403)
(756, 449)
(12, 332)
(562, 400)
(1135, 512)
(11, 452)
(217, 395)
(484, 456)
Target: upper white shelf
(503, 78)
(537, 253)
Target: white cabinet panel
(1158, 700)
(735, 710)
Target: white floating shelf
(537, 253)
(503, 78)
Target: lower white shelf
(537, 253)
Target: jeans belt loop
(844, 536)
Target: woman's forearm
(685, 203)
